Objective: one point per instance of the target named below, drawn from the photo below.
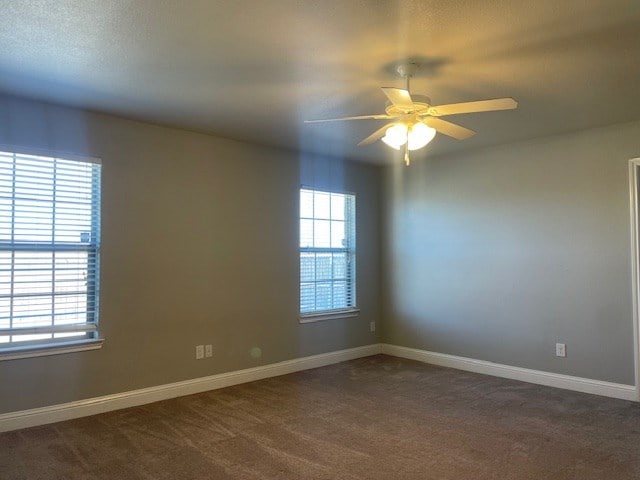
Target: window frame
(350, 250)
(92, 339)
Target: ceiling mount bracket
(408, 69)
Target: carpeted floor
(374, 418)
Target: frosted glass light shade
(420, 135)
(396, 136)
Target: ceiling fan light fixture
(418, 135)
(414, 121)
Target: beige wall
(199, 245)
(500, 253)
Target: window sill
(28, 351)
(330, 315)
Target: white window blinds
(49, 250)
(327, 251)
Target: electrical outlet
(561, 350)
(208, 351)
(199, 352)
(372, 326)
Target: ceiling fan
(413, 121)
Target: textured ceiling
(254, 70)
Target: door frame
(634, 211)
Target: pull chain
(407, 160)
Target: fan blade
(399, 97)
(471, 107)
(362, 117)
(377, 135)
(451, 129)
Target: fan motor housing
(421, 104)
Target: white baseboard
(92, 406)
(568, 382)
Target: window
(49, 254)
(327, 254)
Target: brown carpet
(374, 418)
